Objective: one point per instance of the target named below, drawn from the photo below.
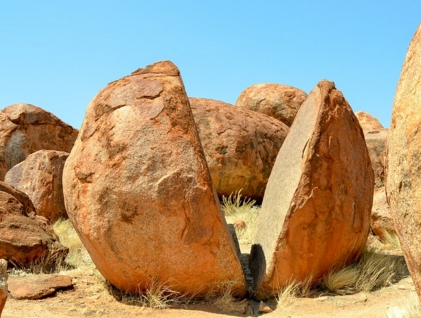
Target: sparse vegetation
(292, 290)
(242, 212)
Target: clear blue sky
(59, 54)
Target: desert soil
(90, 298)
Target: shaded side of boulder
(25, 128)
(3, 284)
(24, 237)
(276, 100)
(381, 218)
(40, 177)
(139, 192)
(316, 211)
(240, 146)
(404, 160)
(376, 141)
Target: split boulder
(315, 214)
(138, 190)
(276, 100)
(26, 238)
(26, 128)
(40, 177)
(404, 160)
(240, 146)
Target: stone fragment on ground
(138, 190)
(40, 177)
(240, 146)
(279, 101)
(25, 238)
(315, 214)
(38, 286)
(25, 128)
(404, 160)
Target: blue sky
(59, 54)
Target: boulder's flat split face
(404, 160)
(316, 209)
(138, 190)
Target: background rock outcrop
(40, 177)
(240, 145)
(315, 214)
(404, 160)
(138, 190)
(276, 100)
(368, 122)
(25, 129)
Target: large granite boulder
(368, 122)
(26, 238)
(276, 100)
(240, 145)
(25, 128)
(315, 214)
(40, 177)
(404, 160)
(138, 190)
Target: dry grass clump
(293, 290)
(243, 212)
(78, 255)
(372, 271)
(223, 299)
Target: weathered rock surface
(38, 286)
(316, 210)
(3, 284)
(276, 100)
(376, 143)
(40, 177)
(138, 190)
(25, 128)
(240, 146)
(368, 122)
(381, 218)
(25, 238)
(404, 160)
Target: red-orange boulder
(40, 177)
(404, 160)
(240, 146)
(368, 122)
(25, 128)
(315, 214)
(139, 193)
(276, 100)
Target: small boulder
(315, 214)
(240, 146)
(40, 177)
(368, 122)
(403, 184)
(38, 286)
(26, 128)
(276, 100)
(137, 188)
(381, 218)
(25, 238)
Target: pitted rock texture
(276, 100)
(25, 129)
(40, 177)
(404, 160)
(3, 284)
(138, 190)
(240, 146)
(25, 238)
(316, 211)
(368, 122)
